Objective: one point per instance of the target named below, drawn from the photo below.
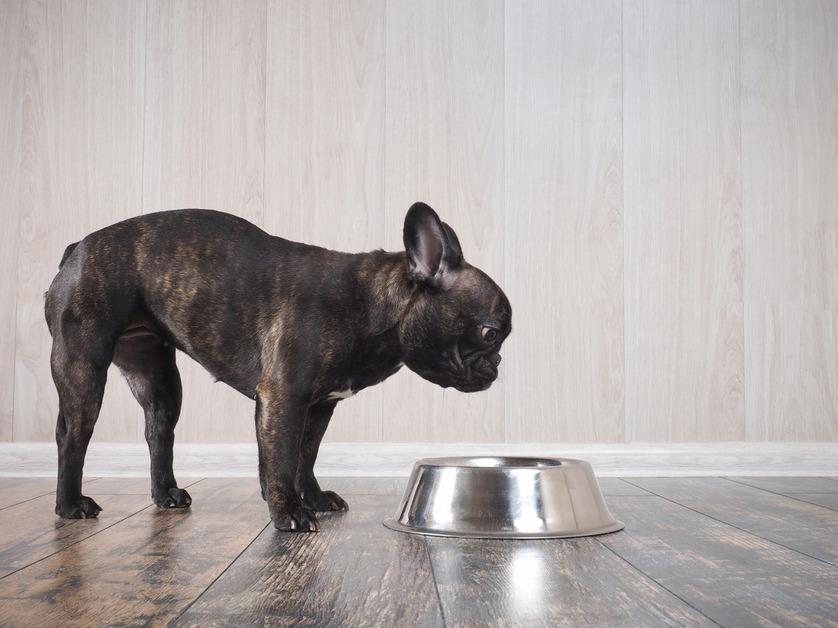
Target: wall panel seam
(623, 204)
(740, 92)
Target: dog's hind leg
(148, 363)
(81, 383)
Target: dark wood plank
(364, 485)
(733, 577)
(145, 569)
(785, 485)
(16, 490)
(618, 486)
(796, 524)
(125, 486)
(31, 531)
(702, 488)
(395, 486)
(354, 572)
(567, 582)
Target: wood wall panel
(444, 146)
(683, 221)
(790, 159)
(11, 122)
(653, 183)
(563, 222)
(80, 169)
(325, 144)
(205, 147)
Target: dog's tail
(67, 252)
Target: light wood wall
(654, 183)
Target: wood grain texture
(325, 144)
(45, 534)
(563, 222)
(80, 169)
(124, 486)
(573, 582)
(14, 490)
(652, 183)
(791, 485)
(219, 565)
(792, 523)
(683, 222)
(354, 572)
(11, 124)
(145, 569)
(732, 577)
(618, 486)
(205, 147)
(444, 146)
(827, 500)
(393, 486)
(790, 159)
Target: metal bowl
(500, 497)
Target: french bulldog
(292, 326)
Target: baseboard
(396, 459)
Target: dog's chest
(340, 394)
(350, 386)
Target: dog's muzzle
(474, 372)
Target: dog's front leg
(280, 421)
(307, 486)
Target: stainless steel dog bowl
(504, 498)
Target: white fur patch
(340, 394)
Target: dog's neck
(386, 288)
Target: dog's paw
(324, 501)
(82, 508)
(173, 498)
(298, 519)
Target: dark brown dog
(293, 326)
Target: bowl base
(400, 527)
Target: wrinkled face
(452, 336)
(452, 333)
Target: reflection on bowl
(503, 497)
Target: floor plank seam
(23, 501)
(806, 501)
(433, 578)
(175, 619)
(627, 483)
(69, 545)
(754, 534)
(651, 579)
(767, 490)
(26, 501)
(90, 536)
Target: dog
(292, 326)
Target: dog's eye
(489, 334)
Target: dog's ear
(432, 247)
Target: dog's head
(452, 333)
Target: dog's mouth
(471, 372)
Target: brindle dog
(292, 326)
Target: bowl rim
(516, 462)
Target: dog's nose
(495, 358)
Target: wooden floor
(695, 551)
